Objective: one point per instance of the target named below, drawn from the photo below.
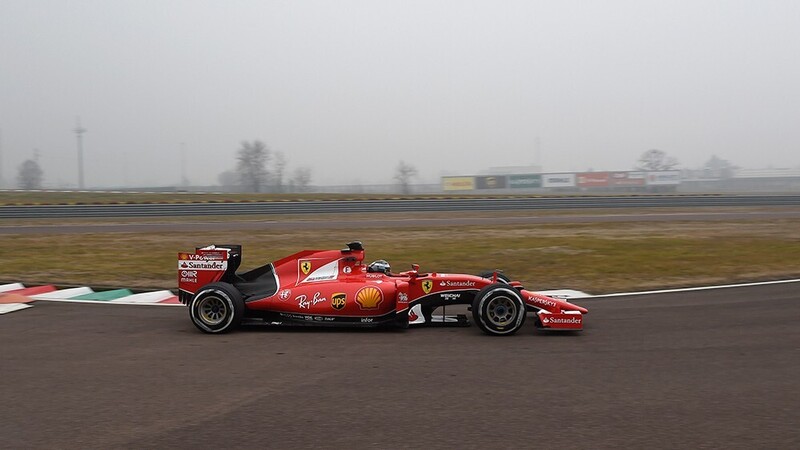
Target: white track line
(699, 288)
(564, 293)
(11, 287)
(63, 293)
(137, 298)
(145, 297)
(11, 307)
(108, 302)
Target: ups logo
(338, 300)
(305, 267)
(427, 285)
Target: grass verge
(597, 258)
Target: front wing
(563, 321)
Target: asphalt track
(705, 369)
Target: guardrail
(416, 205)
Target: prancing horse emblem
(305, 266)
(427, 285)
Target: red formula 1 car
(335, 288)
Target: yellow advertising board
(458, 183)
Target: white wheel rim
(501, 311)
(212, 310)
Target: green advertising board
(525, 181)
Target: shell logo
(369, 297)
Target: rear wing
(206, 265)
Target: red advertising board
(593, 179)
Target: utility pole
(2, 181)
(79, 130)
(537, 147)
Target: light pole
(184, 180)
(79, 130)
(2, 181)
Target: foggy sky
(349, 88)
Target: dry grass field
(594, 257)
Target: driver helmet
(380, 266)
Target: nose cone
(573, 307)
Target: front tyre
(498, 310)
(501, 277)
(217, 308)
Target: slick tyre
(217, 308)
(502, 278)
(498, 310)
(401, 321)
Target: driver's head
(380, 266)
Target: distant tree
(718, 167)
(654, 160)
(301, 179)
(280, 169)
(251, 167)
(403, 174)
(30, 175)
(228, 178)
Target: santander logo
(561, 320)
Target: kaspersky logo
(427, 285)
(542, 301)
(305, 266)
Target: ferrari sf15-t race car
(336, 288)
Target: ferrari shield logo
(427, 285)
(338, 300)
(305, 267)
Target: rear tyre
(498, 310)
(401, 321)
(217, 308)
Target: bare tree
(252, 165)
(280, 169)
(718, 167)
(403, 174)
(30, 175)
(654, 160)
(228, 179)
(301, 179)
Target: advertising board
(491, 182)
(593, 179)
(458, 183)
(626, 179)
(663, 178)
(558, 180)
(525, 181)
